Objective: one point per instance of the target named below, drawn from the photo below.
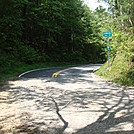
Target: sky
(93, 4)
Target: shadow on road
(37, 112)
(109, 120)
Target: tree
(61, 30)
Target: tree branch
(60, 116)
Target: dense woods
(44, 31)
(48, 30)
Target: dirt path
(89, 104)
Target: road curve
(48, 72)
(38, 103)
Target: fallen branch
(57, 111)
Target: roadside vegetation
(38, 34)
(35, 34)
(121, 22)
(121, 71)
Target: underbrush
(121, 71)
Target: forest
(40, 33)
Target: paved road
(75, 102)
(41, 73)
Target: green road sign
(108, 48)
(107, 34)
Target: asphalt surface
(42, 73)
(74, 102)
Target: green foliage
(41, 31)
(50, 27)
(122, 43)
(122, 11)
(66, 31)
(121, 71)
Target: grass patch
(121, 71)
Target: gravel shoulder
(88, 103)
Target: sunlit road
(41, 104)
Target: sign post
(108, 46)
(108, 34)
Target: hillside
(122, 42)
(121, 71)
(36, 34)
